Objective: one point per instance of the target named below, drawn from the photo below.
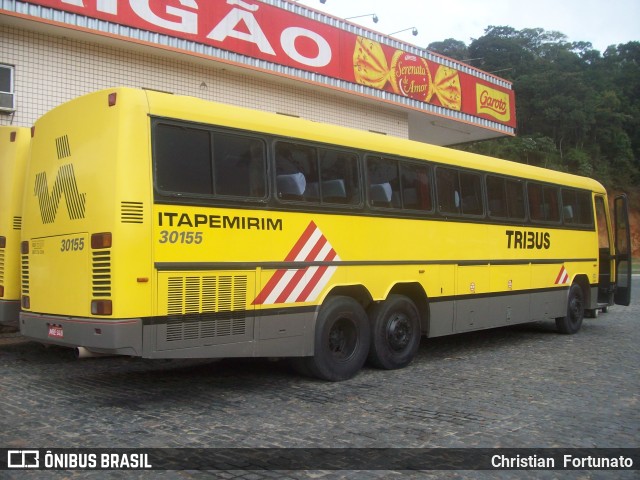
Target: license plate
(55, 331)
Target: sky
(601, 22)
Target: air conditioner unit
(7, 102)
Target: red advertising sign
(266, 32)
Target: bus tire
(572, 321)
(341, 340)
(395, 332)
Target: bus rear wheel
(395, 332)
(572, 321)
(341, 340)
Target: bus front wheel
(395, 332)
(341, 340)
(572, 321)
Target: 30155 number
(72, 244)
(173, 236)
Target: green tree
(450, 48)
(577, 109)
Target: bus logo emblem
(303, 284)
(65, 182)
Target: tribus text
(528, 240)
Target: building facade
(272, 55)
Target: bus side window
(543, 203)
(448, 188)
(296, 172)
(182, 159)
(506, 198)
(534, 193)
(382, 175)
(416, 186)
(239, 164)
(576, 207)
(515, 199)
(551, 204)
(497, 195)
(339, 179)
(471, 193)
(585, 208)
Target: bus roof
(207, 112)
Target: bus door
(622, 295)
(605, 254)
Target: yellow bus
(195, 229)
(14, 153)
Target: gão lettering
(240, 23)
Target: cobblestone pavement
(524, 386)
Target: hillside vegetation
(578, 109)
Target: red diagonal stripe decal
(271, 284)
(299, 284)
(316, 278)
(291, 256)
(301, 242)
(293, 283)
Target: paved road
(523, 386)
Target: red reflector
(24, 247)
(1, 291)
(101, 240)
(26, 302)
(101, 307)
(112, 99)
(12, 136)
(3, 242)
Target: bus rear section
(14, 153)
(85, 207)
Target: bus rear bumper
(9, 311)
(115, 337)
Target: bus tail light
(12, 136)
(101, 307)
(26, 302)
(24, 247)
(101, 240)
(1, 290)
(112, 99)
(3, 242)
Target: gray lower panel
(546, 305)
(477, 313)
(189, 331)
(9, 312)
(283, 334)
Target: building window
(7, 103)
